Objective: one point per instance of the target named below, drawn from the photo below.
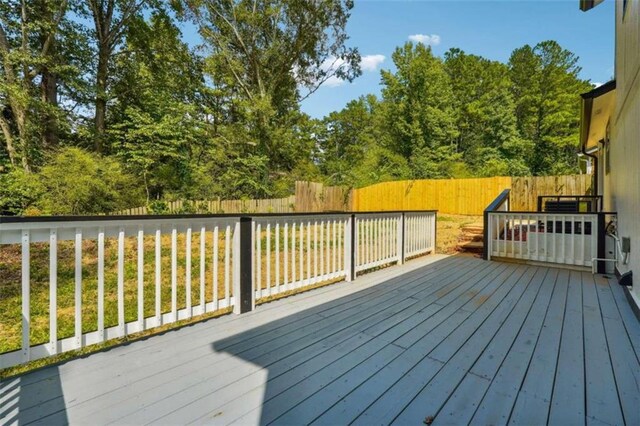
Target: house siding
(621, 187)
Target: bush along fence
(71, 282)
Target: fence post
(350, 252)
(244, 291)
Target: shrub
(77, 182)
(19, 191)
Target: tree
(263, 51)
(418, 109)
(28, 32)
(485, 114)
(111, 19)
(546, 85)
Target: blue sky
(488, 28)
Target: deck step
(471, 238)
(471, 246)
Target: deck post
(244, 300)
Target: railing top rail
(48, 219)
(569, 196)
(499, 200)
(551, 213)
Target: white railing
(105, 278)
(106, 246)
(420, 233)
(292, 252)
(378, 240)
(563, 238)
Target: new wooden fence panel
(453, 196)
(465, 196)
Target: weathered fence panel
(315, 197)
(525, 190)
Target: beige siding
(622, 185)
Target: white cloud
(597, 84)
(367, 63)
(428, 40)
(371, 62)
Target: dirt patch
(449, 229)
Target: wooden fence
(315, 197)
(449, 196)
(268, 205)
(465, 196)
(525, 190)
(452, 196)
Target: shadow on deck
(455, 339)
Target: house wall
(622, 184)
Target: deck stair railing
(568, 238)
(117, 276)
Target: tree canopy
(101, 97)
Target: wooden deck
(454, 338)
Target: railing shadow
(289, 350)
(20, 396)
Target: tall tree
(110, 18)
(418, 109)
(28, 33)
(264, 51)
(485, 115)
(546, 83)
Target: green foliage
(223, 119)
(19, 191)
(77, 182)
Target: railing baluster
(26, 295)
(227, 267)
(315, 251)
(78, 288)
(121, 324)
(293, 255)
(268, 278)
(286, 256)
(158, 281)
(53, 291)
(582, 245)
(174, 273)
(140, 279)
(335, 246)
(277, 257)
(301, 255)
(203, 239)
(188, 273)
(101, 336)
(215, 262)
(258, 260)
(308, 252)
(328, 249)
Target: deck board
(455, 338)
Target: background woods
(104, 106)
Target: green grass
(10, 283)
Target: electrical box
(626, 245)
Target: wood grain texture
(457, 338)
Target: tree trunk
(101, 96)
(8, 137)
(49, 88)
